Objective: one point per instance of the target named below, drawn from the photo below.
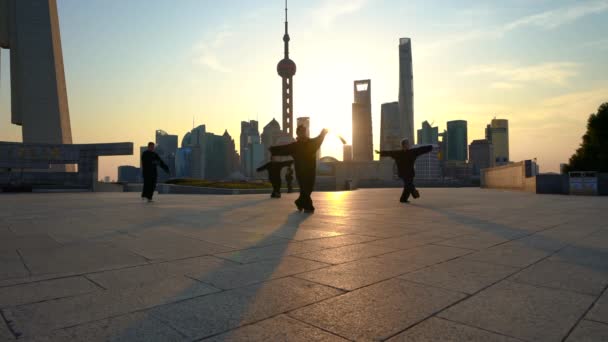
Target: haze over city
(137, 66)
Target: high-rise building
(287, 69)
(270, 134)
(428, 165)
(406, 89)
(206, 155)
(249, 135)
(390, 131)
(457, 140)
(497, 133)
(166, 147)
(347, 153)
(129, 174)
(428, 135)
(481, 155)
(363, 149)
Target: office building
(428, 135)
(129, 174)
(390, 131)
(481, 155)
(363, 149)
(497, 133)
(428, 165)
(166, 147)
(406, 89)
(457, 140)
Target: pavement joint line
(483, 329)
(86, 276)
(23, 261)
(320, 328)
(585, 313)
(595, 321)
(5, 315)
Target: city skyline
(158, 74)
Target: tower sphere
(286, 68)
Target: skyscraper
(481, 155)
(249, 135)
(497, 133)
(390, 127)
(206, 155)
(363, 149)
(457, 140)
(287, 69)
(270, 134)
(406, 89)
(166, 147)
(428, 135)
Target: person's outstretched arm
(282, 150)
(161, 163)
(263, 167)
(422, 150)
(319, 139)
(392, 154)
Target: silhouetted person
(304, 152)
(274, 175)
(405, 159)
(149, 161)
(289, 179)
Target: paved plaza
(455, 265)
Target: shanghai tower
(406, 90)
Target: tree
(592, 155)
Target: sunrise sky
(139, 65)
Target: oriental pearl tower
(287, 69)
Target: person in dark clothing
(304, 152)
(149, 161)
(274, 175)
(289, 179)
(405, 159)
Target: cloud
(545, 20)
(330, 10)
(207, 50)
(513, 76)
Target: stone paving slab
(379, 311)
(209, 315)
(437, 329)
(589, 331)
(522, 311)
(45, 290)
(461, 275)
(280, 328)
(457, 264)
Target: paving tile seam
(23, 261)
(483, 329)
(551, 287)
(320, 328)
(9, 324)
(262, 320)
(299, 255)
(584, 313)
(595, 321)
(71, 275)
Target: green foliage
(218, 184)
(592, 155)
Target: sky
(136, 66)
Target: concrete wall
(511, 177)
